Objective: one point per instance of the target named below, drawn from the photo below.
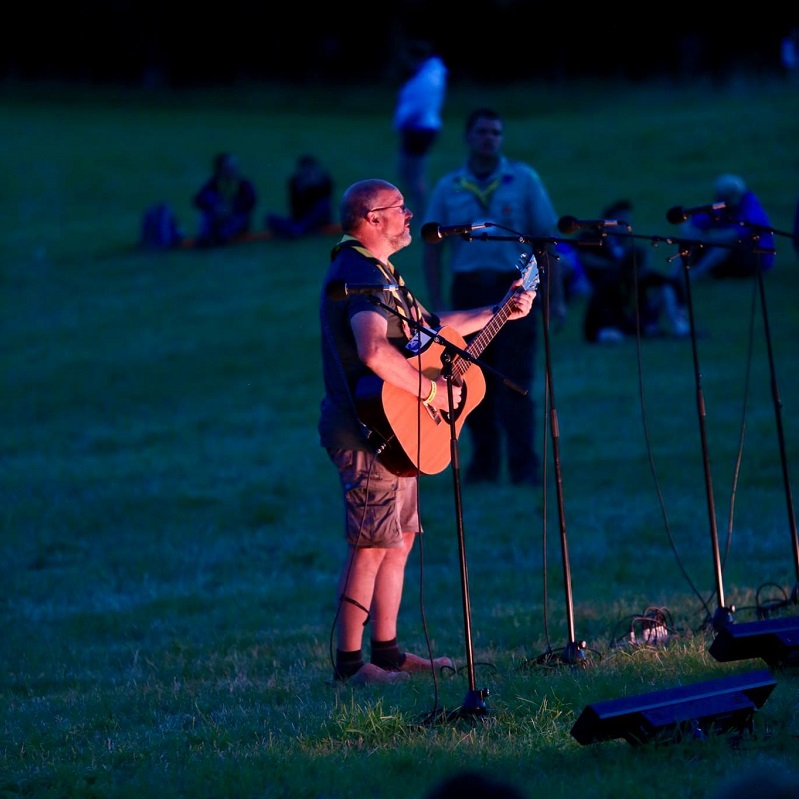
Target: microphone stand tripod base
(473, 707)
(573, 654)
(722, 618)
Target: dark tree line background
(146, 42)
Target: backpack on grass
(159, 228)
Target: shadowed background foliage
(169, 43)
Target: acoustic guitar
(413, 437)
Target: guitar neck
(483, 338)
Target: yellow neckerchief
(483, 195)
(406, 303)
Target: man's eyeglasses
(401, 206)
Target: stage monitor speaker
(776, 641)
(712, 707)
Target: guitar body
(417, 438)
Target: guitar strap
(405, 303)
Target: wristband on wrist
(432, 395)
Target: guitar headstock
(528, 267)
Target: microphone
(679, 214)
(340, 289)
(432, 232)
(568, 224)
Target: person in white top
(417, 116)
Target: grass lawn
(171, 530)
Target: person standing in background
(417, 117)
(511, 194)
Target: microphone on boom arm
(679, 214)
(570, 224)
(432, 232)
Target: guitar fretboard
(482, 339)
(529, 271)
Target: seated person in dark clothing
(310, 189)
(225, 202)
(626, 295)
(740, 231)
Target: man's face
(485, 137)
(395, 218)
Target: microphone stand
(473, 705)
(775, 396)
(474, 702)
(723, 615)
(573, 653)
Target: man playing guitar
(362, 338)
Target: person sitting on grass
(627, 295)
(736, 239)
(310, 189)
(226, 202)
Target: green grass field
(171, 530)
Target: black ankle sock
(347, 663)
(386, 654)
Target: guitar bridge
(433, 413)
